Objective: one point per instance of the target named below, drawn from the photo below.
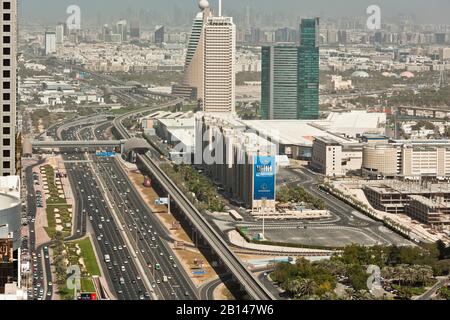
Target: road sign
(161, 201)
(199, 272)
(105, 154)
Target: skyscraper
(8, 96)
(308, 75)
(192, 85)
(159, 34)
(60, 34)
(279, 82)
(50, 43)
(121, 28)
(135, 30)
(219, 64)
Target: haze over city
(257, 154)
(45, 11)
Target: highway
(143, 226)
(106, 232)
(244, 276)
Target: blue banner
(264, 168)
(105, 154)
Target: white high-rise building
(219, 65)
(60, 34)
(50, 43)
(8, 92)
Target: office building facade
(308, 73)
(219, 79)
(159, 35)
(411, 160)
(50, 43)
(279, 82)
(8, 85)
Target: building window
(6, 174)
(6, 5)
(6, 96)
(6, 119)
(6, 85)
(6, 73)
(7, 142)
(6, 130)
(6, 165)
(6, 28)
(6, 153)
(6, 17)
(6, 62)
(6, 108)
(6, 39)
(6, 51)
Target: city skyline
(170, 10)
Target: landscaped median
(59, 213)
(79, 253)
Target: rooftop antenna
(220, 8)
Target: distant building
(50, 43)
(159, 34)
(339, 84)
(121, 28)
(308, 64)
(60, 34)
(279, 82)
(219, 40)
(290, 78)
(411, 160)
(286, 35)
(334, 158)
(135, 31)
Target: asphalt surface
(94, 209)
(144, 227)
(347, 224)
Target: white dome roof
(407, 74)
(360, 74)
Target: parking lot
(335, 237)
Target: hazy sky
(429, 11)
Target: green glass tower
(308, 70)
(279, 92)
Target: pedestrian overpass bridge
(133, 144)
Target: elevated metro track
(249, 283)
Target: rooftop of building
(431, 203)
(409, 188)
(292, 132)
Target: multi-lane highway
(150, 237)
(122, 273)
